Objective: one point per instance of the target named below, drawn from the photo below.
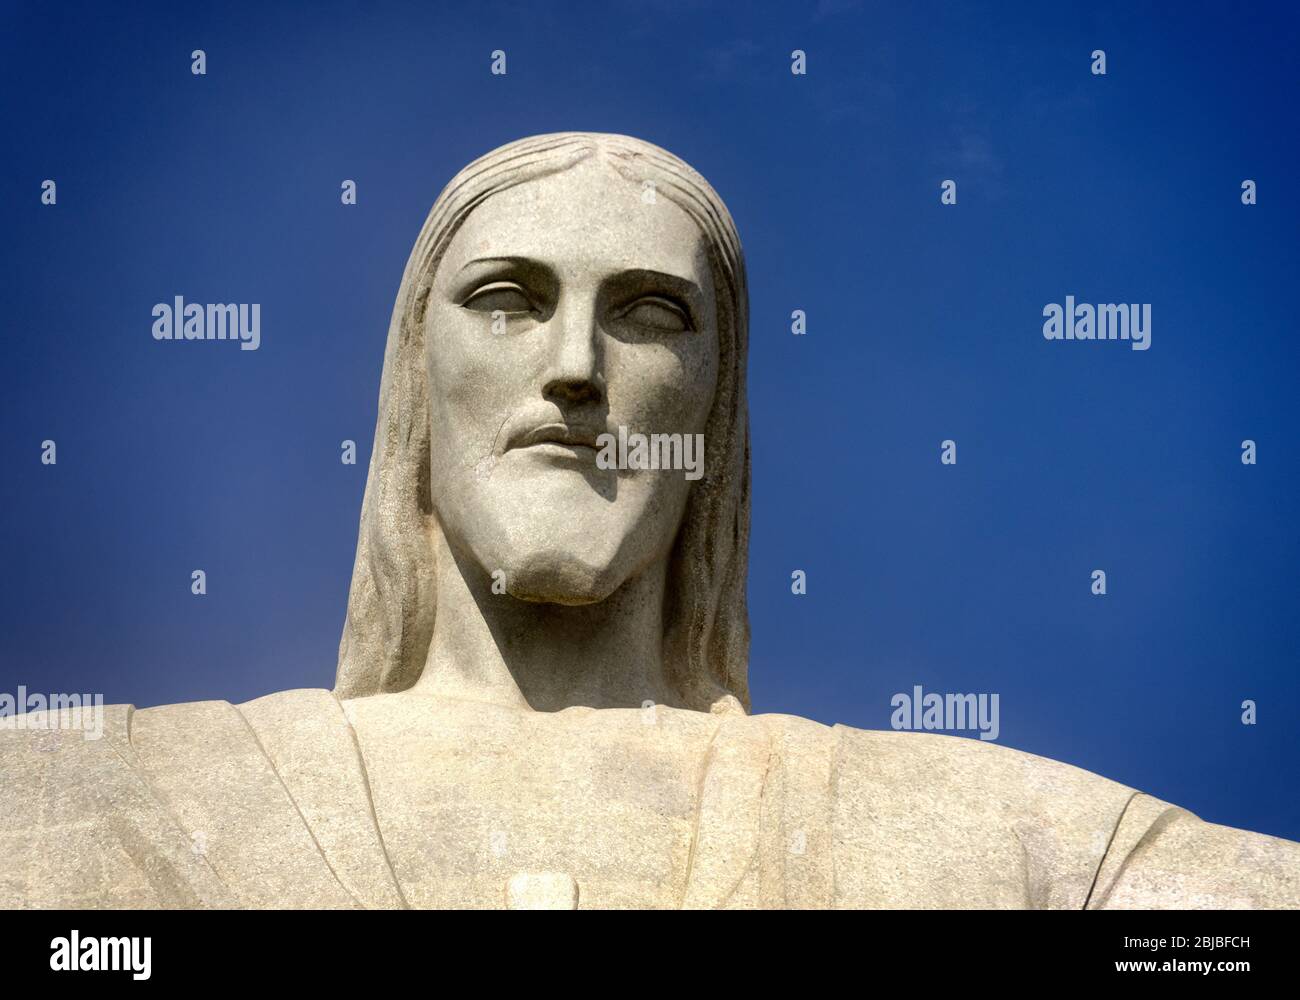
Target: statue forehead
(588, 216)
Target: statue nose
(574, 376)
(574, 392)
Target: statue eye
(657, 313)
(500, 296)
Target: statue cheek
(695, 382)
(660, 388)
(474, 382)
(684, 397)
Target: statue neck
(493, 647)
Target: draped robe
(303, 800)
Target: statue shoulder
(906, 819)
(1162, 857)
(279, 791)
(924, 820)
(920, 765)
(84, 827)
(200, 804)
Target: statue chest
(493, 809)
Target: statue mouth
(560, 439)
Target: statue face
(565, 308)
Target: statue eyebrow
(522, 262)
(529, 270)
(684, 288)
(498, 260)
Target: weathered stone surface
(486, 806)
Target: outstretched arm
(1163, 857)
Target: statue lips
(574, 442)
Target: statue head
(563, 287)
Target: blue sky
(924, 324)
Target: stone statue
(541, 694)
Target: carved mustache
(557, 431)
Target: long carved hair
(390, 616)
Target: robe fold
(300, 800)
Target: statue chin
(556, 563)
(560, 577)
(573, 552)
